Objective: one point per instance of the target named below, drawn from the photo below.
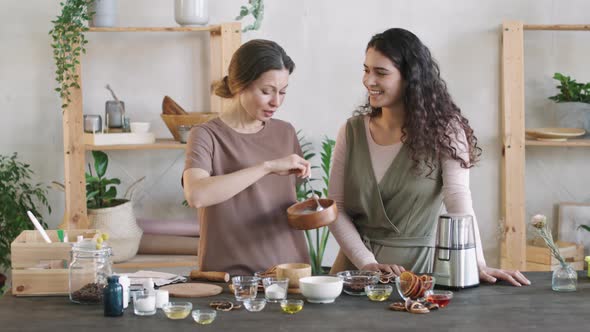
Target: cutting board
(192, 290)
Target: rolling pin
(210, 275)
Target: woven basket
(190, 119)
(119, 222)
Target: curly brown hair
(432, 121)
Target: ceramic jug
(191, 12)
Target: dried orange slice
(417, 288)
(407, 276)
(407, 280)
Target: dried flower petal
(539, 221)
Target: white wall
(326, 38)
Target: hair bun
(221, 88)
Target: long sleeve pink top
(455, 190)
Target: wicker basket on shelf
(189, 119)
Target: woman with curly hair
(404, 154)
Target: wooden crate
(539, 257)
(31, 255)
(530, 266)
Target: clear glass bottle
(88, 272)
(565, 279)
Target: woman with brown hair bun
(408, 151)
(241, 168)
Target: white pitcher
(191, 12)
(105, 13)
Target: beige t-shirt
(248, 232)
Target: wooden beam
(223, 46)
(513, 146)
(575, 142)
(160, 144)
(211, 28)
(75, 216)
(558, 27)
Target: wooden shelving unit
(209, 28)
(571, 143)
(514, 141)
(160, 144)
(224, 40)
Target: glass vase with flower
(564, 278)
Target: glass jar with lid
(88, 272)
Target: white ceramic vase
(573, 115)
(191, 12)
(105, 13)
(120, 223)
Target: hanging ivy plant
(68, 43)
(256, 9)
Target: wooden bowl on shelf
(190, 119)
(303, 215)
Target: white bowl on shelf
(140, 127)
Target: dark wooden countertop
(486, 308)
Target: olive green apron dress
(396, 218)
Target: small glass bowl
(255, 305)
(354, 281)
(440, 297)
(414, 289)
(177, 310)
(291, 306)
(204, 316)
(378, 292)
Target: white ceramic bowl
(320, 289)
(140, 127)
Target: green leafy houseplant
(256, 9)
(101, 191)
(68, 43)
(17, 196)
(570, 90)
(317, 239)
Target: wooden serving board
(192, 290)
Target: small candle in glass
(144, 304)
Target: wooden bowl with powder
(303, 215)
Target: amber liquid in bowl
(441, 299)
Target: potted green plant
(317, 239)
(254, 8)
(110, 214)
(572, 103)
(68, 43)
(17, 196)
(107, 212)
